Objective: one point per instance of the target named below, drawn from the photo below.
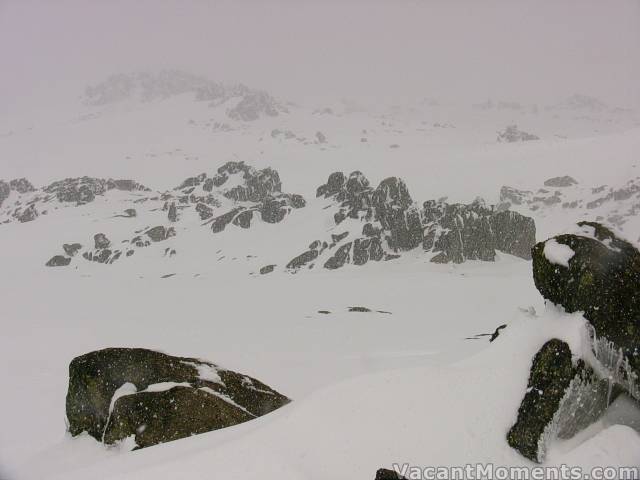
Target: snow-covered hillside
(163, 197)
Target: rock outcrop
(513, 134)
(393, 224)
(116, 393)
(594, 272)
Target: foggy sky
(392, 50)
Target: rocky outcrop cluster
(380, 223)
(512, 134)
(594, 272)
(253, 192)
(615, 205)
(117, 393)
(105, 252)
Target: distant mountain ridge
(250, 104)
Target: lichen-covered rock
(564, 395)
(551, 373)
(58, 261)
(601, 279)
(118, 392)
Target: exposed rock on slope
(253, 191)
(601, 279)
(512, 134)
(119, 392)
(387, 223)
(564, 197)
(474, 232)
(594, 272)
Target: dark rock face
(243, 219)
(602, 280)
(474, 232)
(172, 215)
(514, 234)
(396, 213)
(58, 261)
(550, 375)
(131, 212)
(558, 182)
(118, 392)
(101, 241)
(71, 248)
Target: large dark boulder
(601, 279)
(118, 392)
(551, 372)
(563, 396)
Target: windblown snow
(396, 381)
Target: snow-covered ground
(368, 389)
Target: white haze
(301, 50)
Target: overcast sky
(396, 50)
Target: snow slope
(368, 389)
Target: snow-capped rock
(166, 397)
